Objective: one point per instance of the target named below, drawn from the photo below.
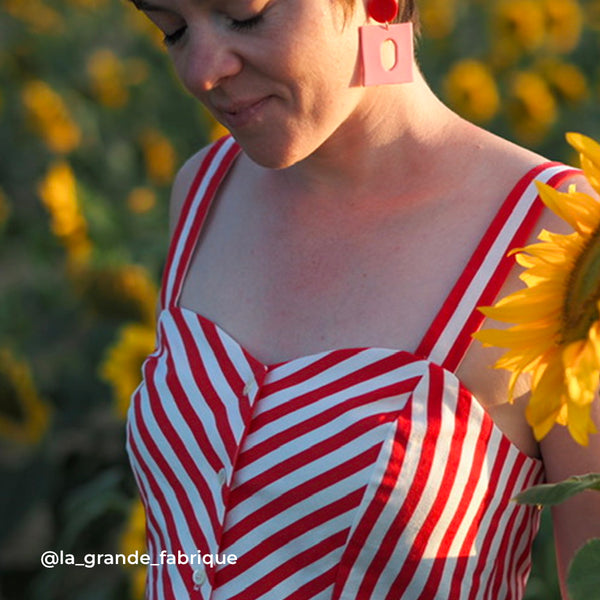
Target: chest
(290, 285)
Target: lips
(241, 113)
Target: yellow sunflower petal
(550, 358)
(579, 210)
(590, 156)
(585, 209)
(514, 377)
(585, 145)
(546, 400)
(594, 337)
(525, 260)
(529, 336)
(592, 174)
(563, 415)
(580, 423)
(564, 241)
(582, 371)
(526, 306)
(536, 276)
(550, 260)
(551, 250)
(520, 360)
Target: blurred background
(93, 127)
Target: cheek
(184, 72)
(321, 40)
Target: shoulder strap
(448, 339)
(210, 174)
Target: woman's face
(281, 75)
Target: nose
(207, 61)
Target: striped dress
(353, 473)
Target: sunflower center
(580, 308)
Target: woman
(315, 405)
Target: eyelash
(173, 38)
(245, 25)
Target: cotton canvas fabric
(352, 473)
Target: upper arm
(578, 519)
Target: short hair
(407, 11)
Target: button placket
(222, 477)
(199, 576)
(251, 387)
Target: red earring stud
(398, 36)
(382, 11)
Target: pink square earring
(373, 38)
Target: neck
(385, 141)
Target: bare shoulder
(505, 162)
(182, 183)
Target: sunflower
(555, 335)
(108, 78)
(159, 156)
(133, 538)
(58, 191)
(471, 89)
(49, 116)
(123, 362)
(24, 416)
(122, 291)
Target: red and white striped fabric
(352, 473)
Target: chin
(270, 154)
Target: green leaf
(550, 494)
(90, 502)
(583, 580)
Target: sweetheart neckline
(389, 351)
(303, 357)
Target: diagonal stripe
(472, 461)
(303, 490)
(323, 410)
(351, 473)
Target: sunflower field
(93, 127)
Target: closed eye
(246, 24)
(237, 25)
(173, 38)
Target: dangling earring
(373, 38)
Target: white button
(250, 386)
(222, 476)
(199, 576)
